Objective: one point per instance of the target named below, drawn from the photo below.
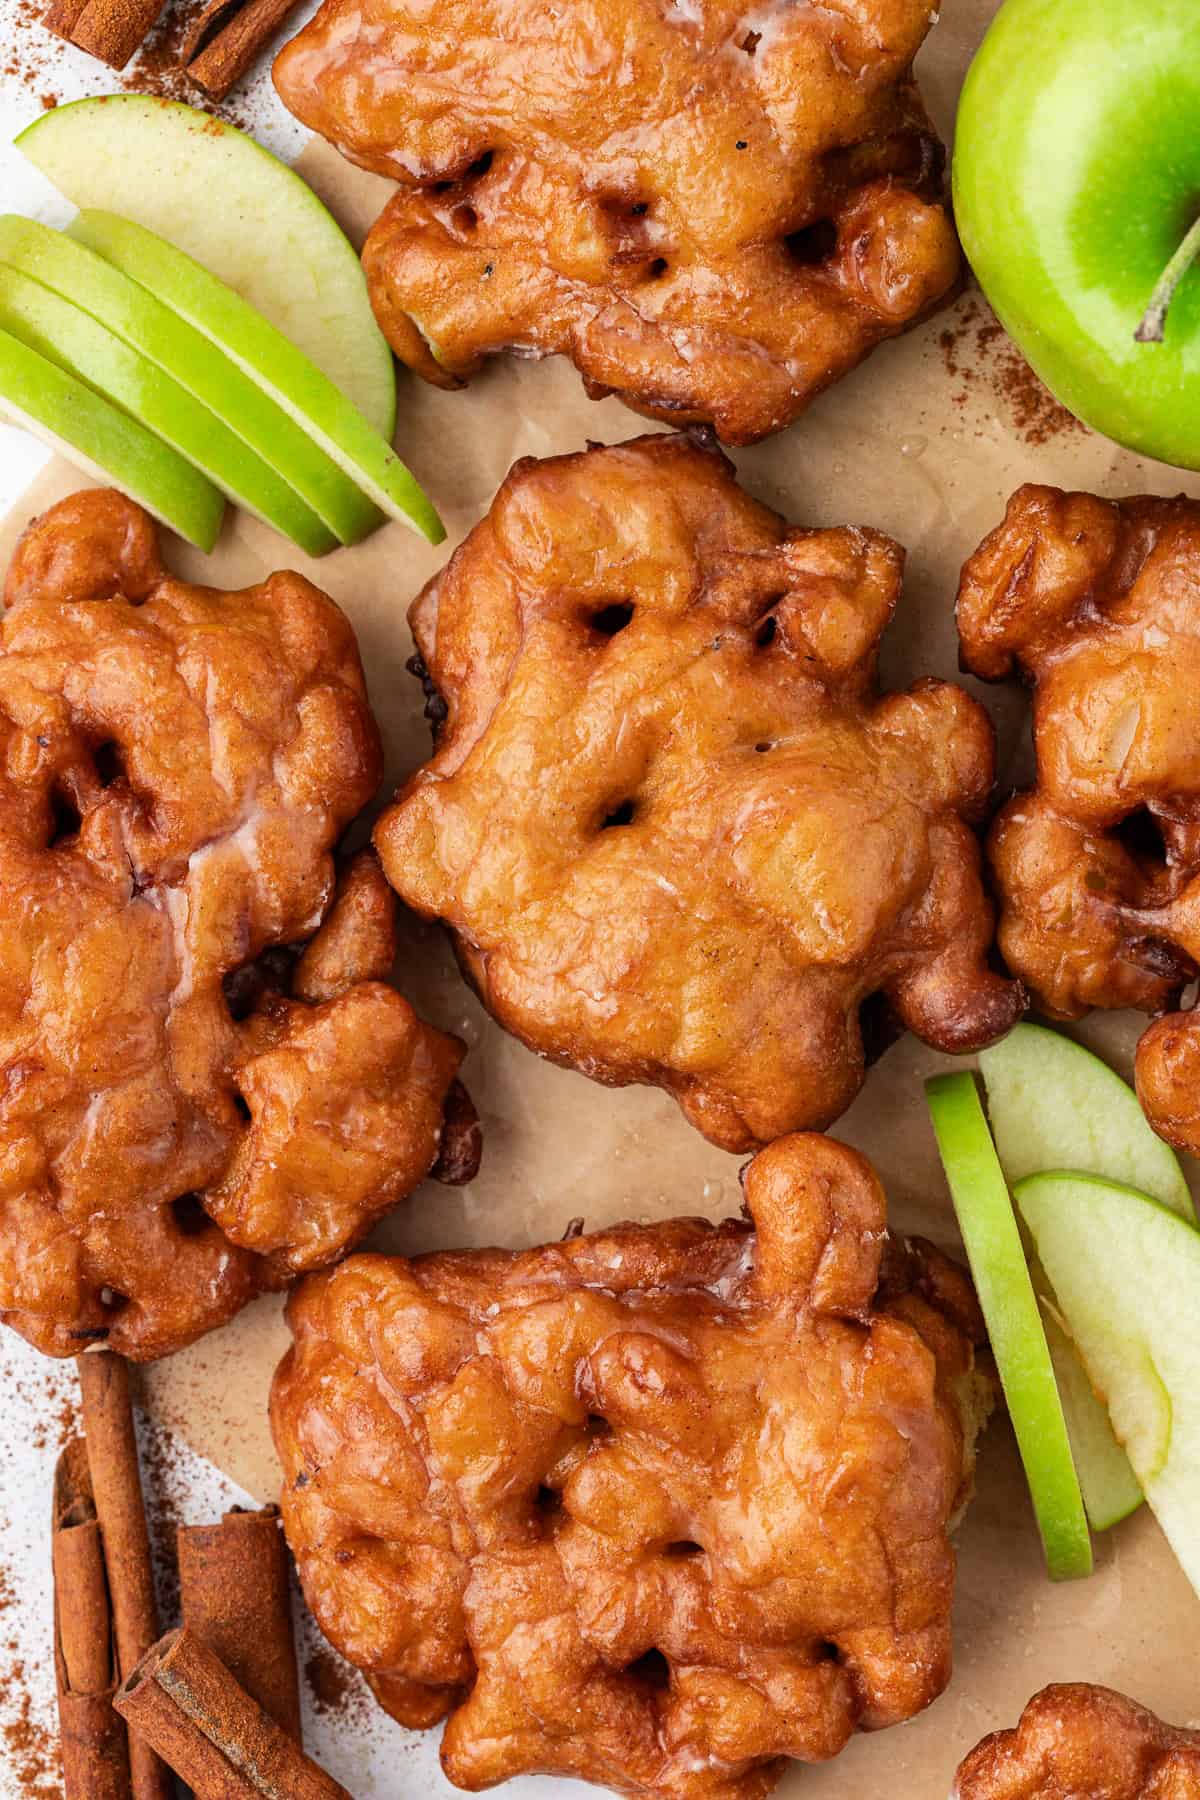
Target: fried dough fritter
(715, 210)
(657, 1508)
(678, 833)
(1077, 1742)
(1097, 868)
(190, 1113)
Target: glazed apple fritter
(1097, 868)
(190, 1112)
(1083, 1743)
(659, 1507)
(715, 210)
(680, 836)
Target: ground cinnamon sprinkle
(30, 1749)
(33, 57)
(330, 1681)
(977, 349)
(158, 66)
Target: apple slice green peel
(1053, 1104)
(1126, 1271)
(282, 371)
(63, 334)
(106, 443)
(993, 1245)
(238, 211)
(325, 508)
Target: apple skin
(286, 376)
(323, 506)
(251, 221)
(1127, 1274)
(64, 334)
(1106, 1479)
(1054, 1105)
(1018, 1339)
(1076, 177)
(106, 443)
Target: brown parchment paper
(929, 453)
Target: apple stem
(1154, 319)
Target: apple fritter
(192, 1106)
(1077, 1742)
(659, 1507)
(1097, 867)
(715, 210)
(680, 836)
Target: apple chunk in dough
(1018, 1339)
(1126, 1271)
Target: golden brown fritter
(659, 1507)
(1097, 868)
(715, 210)
(189, 1113)
(1083, 1743)
(680, 836)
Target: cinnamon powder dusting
(30, 1750)
(33, 57)
(977, 351)
(334, 1687)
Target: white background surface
(356, 1743)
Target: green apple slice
(61, 332)
(993, 1245)
(242, 214)
(1106, 1479)
(325, 507)
(1126, 1271)
(1053, 1105)
(266, 357)
(105, 443)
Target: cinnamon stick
(108, 29)
(225, 54)
(60, 16)
(117, 1487)
(185, 1702)
(233, 1589)
(95, 1751)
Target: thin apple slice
(1053, 1105)
(1106, 1479)
(993, 1245)
(1126, 1271)
(263, 354)
(326, 507)
(242, 214)
(61, 332)
(105, 443)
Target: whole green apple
(1076, 190)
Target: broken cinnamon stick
(60, 16)
(225, 51)
(117, 1488)
(108, 29)
(233, 1590)
(95, 1751)
(184, 1701)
